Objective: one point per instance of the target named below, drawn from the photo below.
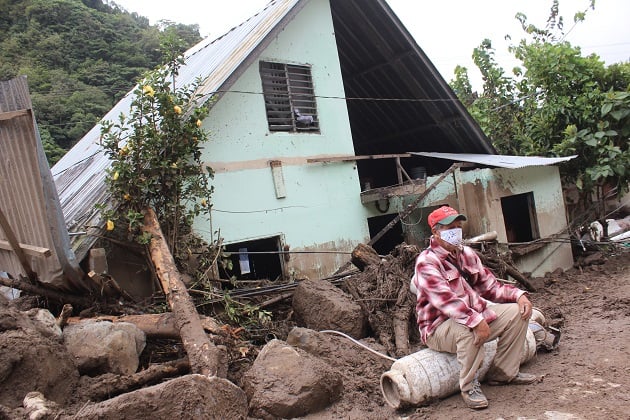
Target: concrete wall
(322, 208)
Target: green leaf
(606, 108)
(619, 114)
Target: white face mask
(452, 236)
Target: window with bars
(289, 97)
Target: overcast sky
(447, 30)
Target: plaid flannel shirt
(443, 292)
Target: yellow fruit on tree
(148, 90)
(110, 225)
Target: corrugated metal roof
(501, 161)
(29, 204)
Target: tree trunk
(204, 356)
(364, 255)
(154, 325)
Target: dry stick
(44, 292)
(410, 207)
(274, 300)
(204, 356)
(110, 386)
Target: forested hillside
(80, 57)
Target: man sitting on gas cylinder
(461, 305)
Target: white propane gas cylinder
(427, 375)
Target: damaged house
(331, 128)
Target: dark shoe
(474, 398)
(519, 379)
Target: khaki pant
(452, 337)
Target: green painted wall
(322, 203)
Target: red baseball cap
(445, 215)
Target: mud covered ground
(587, 377)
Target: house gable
(242, 149)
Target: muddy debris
(302, 372)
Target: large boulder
(104, 347)
(32, 358)
(287, 382)
(189, 397)
(320, 305)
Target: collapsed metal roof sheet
(501, 161)
(33, 239)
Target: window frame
(290, 103)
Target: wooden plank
(351, 157)
(35, 251)
(395, 191)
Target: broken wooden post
(203, 355)
(364, 255)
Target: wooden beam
(35, 251)
(351, 157)
(383, 193)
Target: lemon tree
(155, 153)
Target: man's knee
(513, 313)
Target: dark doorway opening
(390, 239)
(255, 260)
(519, 214)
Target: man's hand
(481, 332)
(525, 307)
